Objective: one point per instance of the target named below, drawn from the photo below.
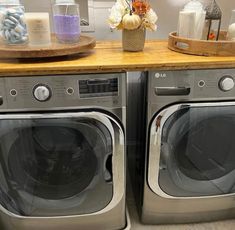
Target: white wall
(167, 11)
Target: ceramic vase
(133, 40)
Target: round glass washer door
(56, 166)
(57, 162)
(197, 150)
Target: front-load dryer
(190, 156)
(62, 152)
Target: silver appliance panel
(61, 92)
(166, 87)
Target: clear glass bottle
(231, 28)
(13, 29)
(66, 17)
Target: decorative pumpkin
(131, 21)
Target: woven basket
(133, 40)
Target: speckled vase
(133, 40)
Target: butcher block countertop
(109, 57)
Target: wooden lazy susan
(222, 47)
(85, 44)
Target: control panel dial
(42, 93)
(226, 83)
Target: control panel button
(201, 83)
(42, 93)
(226, 83)
(13, 92)
(70, 91)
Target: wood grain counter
(109, 57)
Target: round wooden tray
(55, 49)
(202, 47)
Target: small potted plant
(133, 17)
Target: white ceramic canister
(197, 21)
(186, 24)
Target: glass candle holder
(66, 17)
(213, 20)
(231, 28)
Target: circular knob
(226, 83)
(42, 93)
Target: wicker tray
(55, 49)
(202, 47)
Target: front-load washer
(190, 158)
(62, 152)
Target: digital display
(98, 87)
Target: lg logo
(160, 75)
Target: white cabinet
(87, 15)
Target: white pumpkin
(131, 21)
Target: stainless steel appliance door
(57, 164)
(192, 150)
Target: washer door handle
(172, 91)
(108, 172)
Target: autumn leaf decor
(133, 17)
(140, 7)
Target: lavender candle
(67, 28)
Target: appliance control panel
(192, 85)
(63, 92)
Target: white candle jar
(38, 26)
(12, 22)
(231, 28)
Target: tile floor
(136, 225)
